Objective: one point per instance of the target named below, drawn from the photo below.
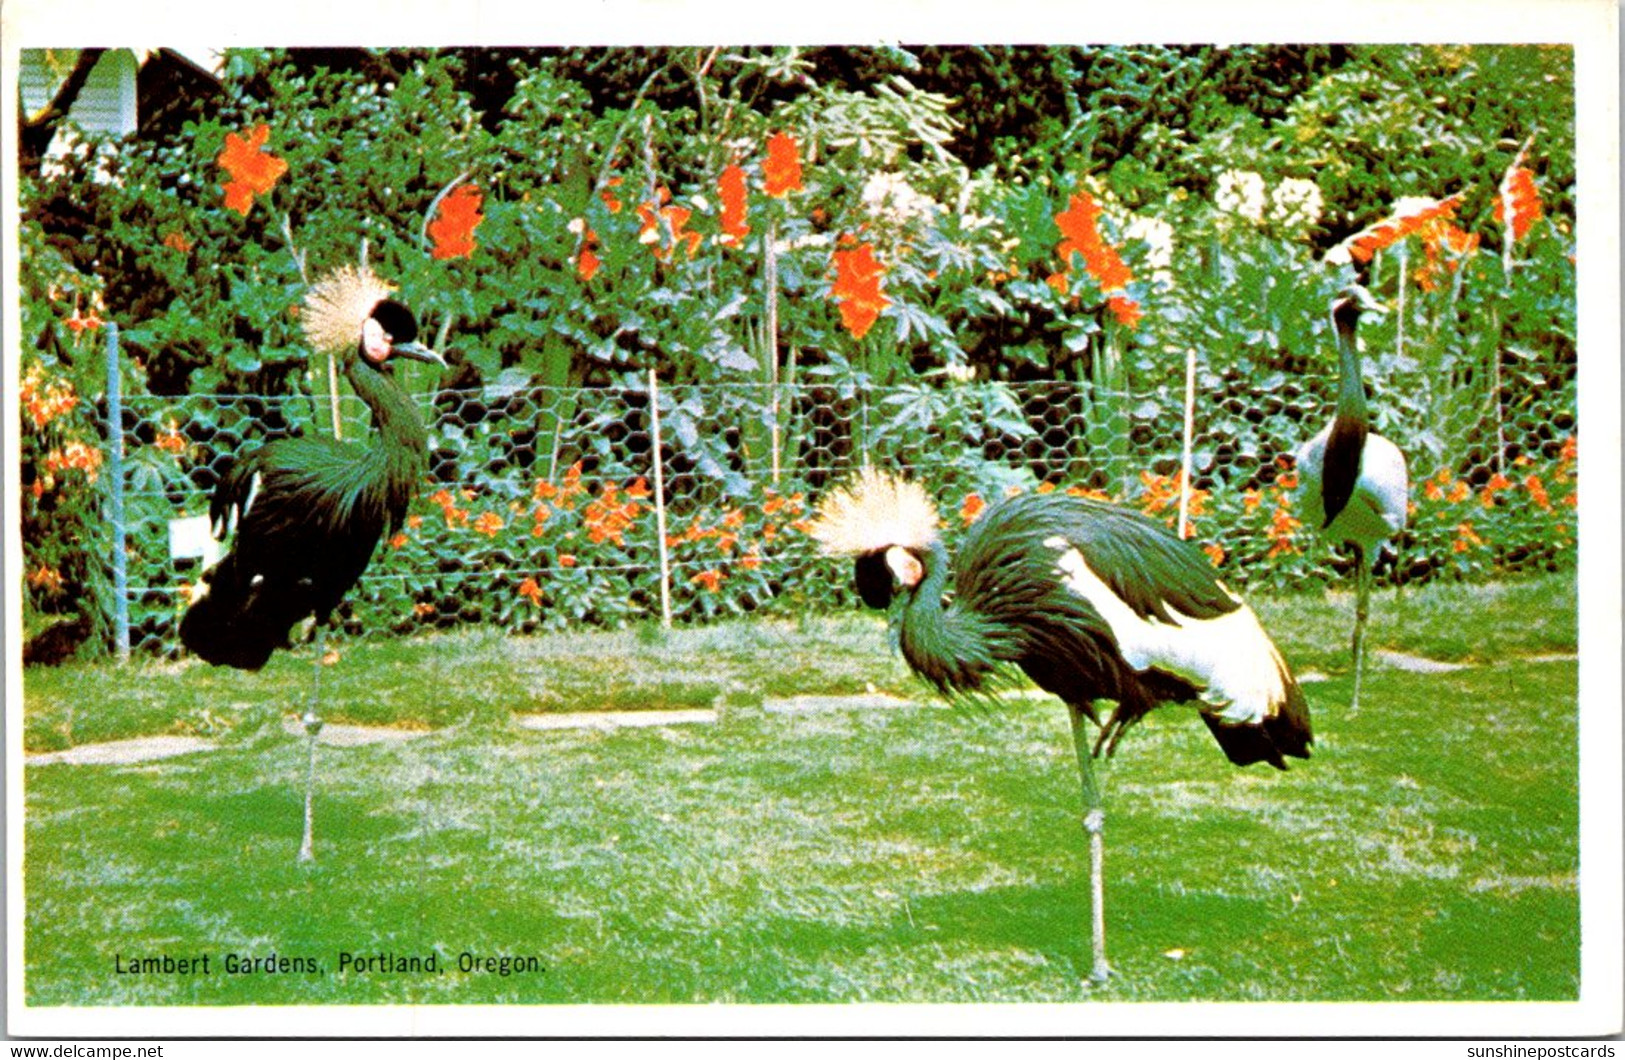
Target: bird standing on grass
(1355, 486)
(305, 514)
(1090, 601)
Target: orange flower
(47, 578)
(1537, 492)
(1126, 310)
(422, 609)
(1281, 531)
(528, 588)
(76, 456)
(752, 559)
(1362, 245)
(972, 508)
(731, 190)
(1092, 494)
(1466, 538)
(1459, 492)
(608, 196)
(608, 518)
(781, 172)
(857, 288)
(488, 523)
(566, 560)
(666, 220)
(253, 170)
(1496, 483)
(707, 580)
(45, 401)
(170, 440)
(1081, 235)
(587, 260)
(1251, 499)
(452, 230)
(1445, 246)
(175, 240)
(639, 488)
(1431, 488)
(1214, 553)
(414, 521)
(78, 323)
(1517, 203)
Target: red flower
(731, 189)
(675, 219)
(1126, 310)
(1081, 235)
(857, 288)
(587, 260)
(253, 170)
(452, 230)
(1518, 203)
(781, 173)
(1362, 245)
(1537, 492)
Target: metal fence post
(115, 471)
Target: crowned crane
(1090, 601)
(304, 514)
(1356, 490)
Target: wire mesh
(539, 511)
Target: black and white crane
(304, 514)
(1088, 600)
(1353, 483)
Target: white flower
(1241, 192)
(1158, 237)
(890, 200)
(1295, 203)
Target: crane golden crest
(336, 305)
(875, 511)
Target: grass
(1428, 851)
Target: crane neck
(1351, 390)
(944, 643)
(394, 416)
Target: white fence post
(660, 502)
(115, 484)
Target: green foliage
(1222, 177)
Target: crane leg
(313, 725)
(1094, 823)
(1362, 611)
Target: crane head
(1353, 300)
(391, 330)
(351, 308)
(885, 523)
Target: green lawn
(1428, 851)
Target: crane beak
(417, 352)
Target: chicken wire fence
(546, 508)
